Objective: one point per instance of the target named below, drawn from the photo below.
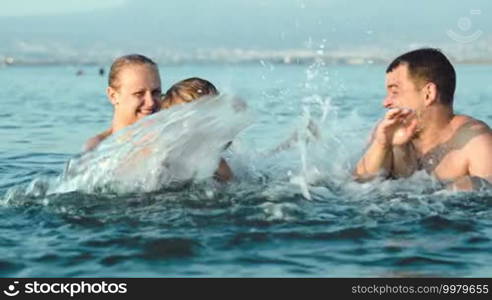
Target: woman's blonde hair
(127, 60)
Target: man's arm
(377, 160)
(404, 162)
(479, 155)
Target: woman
(134, 90)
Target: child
(189, 90)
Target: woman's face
(137, 93)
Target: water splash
(171, 148)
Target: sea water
(292, 209)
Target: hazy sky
(23, 8)
(125, 25)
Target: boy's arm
(223, 172)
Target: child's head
(188, 90)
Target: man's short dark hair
(429, 65)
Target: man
(421, 132)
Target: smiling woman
(134, 90)
(22, 8)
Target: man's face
(402, 91)
(138, 93)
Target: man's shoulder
(468, 128)
(478, 135)
(470, 123)
(483, 137)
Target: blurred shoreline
(240, 56)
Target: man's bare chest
(444, 165)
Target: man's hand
(397, 128)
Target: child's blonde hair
(188, 90)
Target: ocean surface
(291, 211)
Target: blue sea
(291, 211)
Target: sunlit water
(291, 210)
